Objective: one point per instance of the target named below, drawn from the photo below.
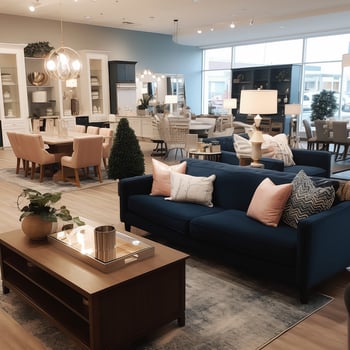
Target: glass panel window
(319, 76)
(218, 58)
(216, 88)
(327, 48)
(279, 52)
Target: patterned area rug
(49, 185)
(224, 310)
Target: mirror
(159, 85)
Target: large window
(321, 58)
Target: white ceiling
(255, 20)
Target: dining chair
(107, 134)
(16, 148)
(323, 137)
(87, 152)
(191, 141)
(310, 138)
(79, 128)
(212, 121)
(160, 147)
(36, 154)
(173, 132)
(340, 138)
(93, 130)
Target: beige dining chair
(79, 128)
(160, 147)
(36, 154)
(87, 152)
(16, 148)
(107, 134)
(173, 131)
(93, 130)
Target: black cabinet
(1, 141)
(286, 79)
(119, 72)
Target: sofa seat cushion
(235, 231)
(309, 170)
(174, 215)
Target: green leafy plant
(126, 158)
(144, 101)
(323, 105)
(41, 204)
(38, 49)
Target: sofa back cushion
(234, 185)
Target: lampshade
(170, 99)
(292, 109)
(63, 64)
(230, 103)
(258, 102)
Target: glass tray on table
(80, 242)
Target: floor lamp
(293, 110)
(258, 102)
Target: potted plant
(144, 103)
(39, 213)
(323, 105)
(39, 49)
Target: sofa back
(234, 185)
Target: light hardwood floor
(324, 330)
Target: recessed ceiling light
(199, 31)
(232, 25)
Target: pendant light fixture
(63, 63)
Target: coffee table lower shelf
(98, 310)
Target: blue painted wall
(156, 52)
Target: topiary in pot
(126, 158)
(323, 105)
(39, 49)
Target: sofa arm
(320, 159)
(323, 250)
(229, 158)
(272, 164)
(130, 186)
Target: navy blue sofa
(303, 257)
(314, 163)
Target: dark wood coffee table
(98, 310)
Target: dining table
(198, 127)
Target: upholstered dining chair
(93, 130)
(79, 128)
(107, 134)
(16, 148)
(340, 138)
(36, 154)
(323, 137)
(310, 138)
(87, 152)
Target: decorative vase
(35, 228)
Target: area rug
(224, 310)
(48, 185)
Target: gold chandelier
(63, 63)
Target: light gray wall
(156, 52)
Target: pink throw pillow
(161, 177)
(268, 202)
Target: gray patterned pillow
(306, 199)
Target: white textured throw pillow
(282, 151)
(194, 189)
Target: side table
(214, 156)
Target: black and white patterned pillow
(306, 199)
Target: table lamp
(293, 110)
(170, 100)
(258, 102)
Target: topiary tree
(323, 105)
(126, 158)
